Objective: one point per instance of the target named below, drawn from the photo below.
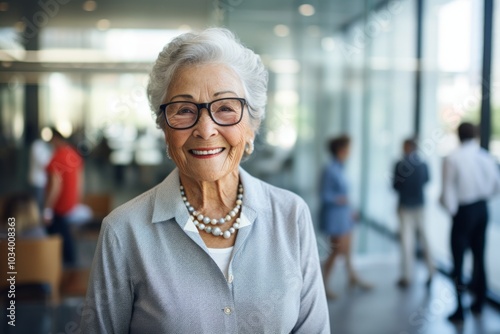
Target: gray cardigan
(152, 272)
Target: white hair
(213, 45)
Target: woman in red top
(63, 192)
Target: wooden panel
(37, 261)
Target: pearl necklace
(203, 222)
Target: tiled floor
(387, 309)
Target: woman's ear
(249, 147)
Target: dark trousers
(469, 231)
(60, 225)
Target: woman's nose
(205, 127)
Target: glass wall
(451, 94)
(495, 85)
(353, 50)
(390, 103)
(494, 230)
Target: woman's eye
(225, 109)
(186, 111)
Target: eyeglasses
(182, 115)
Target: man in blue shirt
(410, 176)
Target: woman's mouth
(206, 152)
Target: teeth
(218, 150)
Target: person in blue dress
(337, 216)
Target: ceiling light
(306, 9)
(284, 66)
(4, 6)
(46, 134)
(327, 43)
(64, 127)
(287, 98)
(89, 6)
(184, 27)
(281, 30)
(103, 24)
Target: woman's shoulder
(138, 208)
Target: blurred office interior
(378, 70)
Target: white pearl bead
(226, 234)
(239, 202)
(200, 217)
(201, 226)
(222, 221)
(228, 218)
(232, 213)
(214, 222)
(238, 220)
(208, 229)
(206, 220)
(236, 225)
(231, 230)
(184, 199)
(216, 231)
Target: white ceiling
(123, 14)
(162, 14)
(252, 20)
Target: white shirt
(470, 174)
(221, 256)
(40, 155)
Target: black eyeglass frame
(204, 105)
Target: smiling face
(207, 151)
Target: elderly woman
(210, 249)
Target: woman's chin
(208, 173)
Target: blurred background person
(410, 175)
(337, 216)
(63, 193)
(23, 207)
(40, 155)
(470, 178)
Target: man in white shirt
(470, 177)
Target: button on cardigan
(152, 272)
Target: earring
(168, 154)
(249, 148)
